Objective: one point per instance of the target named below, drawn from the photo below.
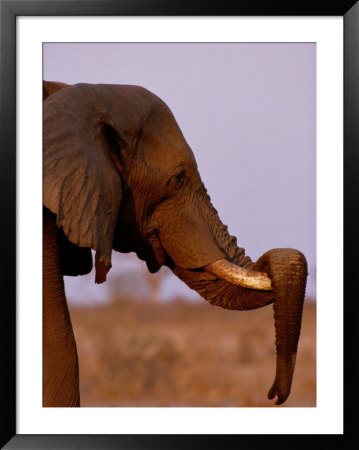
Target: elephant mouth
(153, 253)
(147, 255)
(152, 265)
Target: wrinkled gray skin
(118, 174)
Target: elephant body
(119, 175)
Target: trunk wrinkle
(226, 242)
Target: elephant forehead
(169, 158)
(167, 148)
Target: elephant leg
(60, 361)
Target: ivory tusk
(234, 274)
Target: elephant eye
(179, 179)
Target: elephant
(119, 175)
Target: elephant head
(119, 174)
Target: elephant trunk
(218, 287)
(287, 271)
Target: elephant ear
(82, 186)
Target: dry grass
(185, 354)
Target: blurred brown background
(137, 351)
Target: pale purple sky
(248, 111)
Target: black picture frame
(9, 10)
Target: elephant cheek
(190, 244)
